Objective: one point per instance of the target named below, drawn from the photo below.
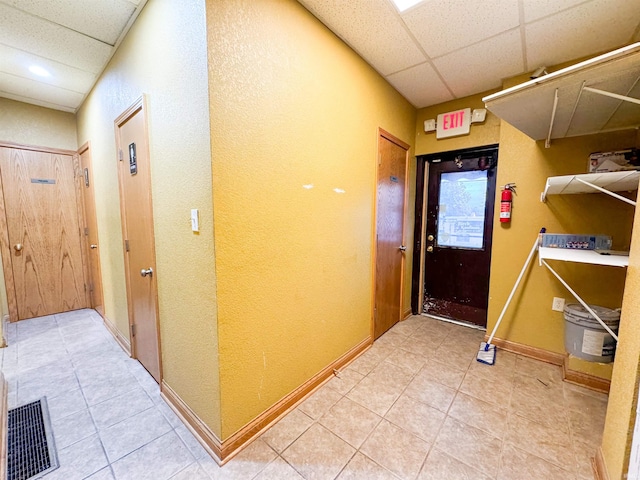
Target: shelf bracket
(612, 95)
(547, 143)
(582, 302)
(604, 190)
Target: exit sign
(455, 123)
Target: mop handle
(513, 291)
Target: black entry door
(460, 201)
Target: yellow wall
(291, 105)
(39, 126)
(527, 163)
(164, 56)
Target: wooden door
(139, 245)
(390, 246)
(91, 231)
(42, 233)
(459, 226)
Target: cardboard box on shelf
(628, 159)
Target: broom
(487, 352)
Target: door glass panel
(461, 207)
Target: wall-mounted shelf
(598, 95)
(582, 256)
(607, 182)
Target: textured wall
(32, 125)
(164, 56)
(291, 105)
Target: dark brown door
(392, 169)
(460, 200)
(139, 240)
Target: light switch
(195, 224)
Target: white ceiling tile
(421, 85)
(372, 29)
(442, 27)
(36, 90)
(102, 20)
(482, 66)
(587, 29)
(535, 9)
(26, 32)
(17, 62)
(33, 101)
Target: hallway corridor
(415, 406)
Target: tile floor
(415, 406)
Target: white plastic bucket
(585, 338)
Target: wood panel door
(390, 246)
(42, 233)
(139, 244)
(91, 231)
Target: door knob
(93, 246)
(17, 247)
(430, 248)
(148, 271)
(430, 238)
(402, 248)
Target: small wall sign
(451, 124)
(44, 181)
(133, 161)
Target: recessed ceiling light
(403, 5)
(41, 72)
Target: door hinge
(379, 159)
(86, 231)
(133, 329)
(85, 287)
(126, 245)
(120, 155)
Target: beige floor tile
(425, 347)
(584, 454)
(364, 364)
(551, 443)
(433, 326)
(279, 470)
(503, 367)
(396, 450)
(440, 466)
(443, 373)
(392, 375)
(535, 368)
(586, 428)
(457, 357)
(479, 414)
(517, 464)
(285, 432)
(538, 402)
(408, 361)
(346, 379)
(375, 396)
(391, 339)
(247, 464)
(318, 454)
(583, 400)
(434, 394)
(430, 336)
(496, 391)
(322, 400)
(363, 468)
(407, 327)
(350, 421)
(470, 445)
(416, 417)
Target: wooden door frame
(5, 247)
(393, 139)
(86, 147)
(140, 105)
(420, 225)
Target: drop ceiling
(440, 50)
(431, 53)
(72, 40)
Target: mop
(487, 352)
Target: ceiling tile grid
(415, 92)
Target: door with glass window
(459, 223)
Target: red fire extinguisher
(505, 202)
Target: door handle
(93, 246)
(430, 238)
(430, 248)
(17, 247)
(402, 248)
(148, 271)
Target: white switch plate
(558, 304)
(195, 224)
